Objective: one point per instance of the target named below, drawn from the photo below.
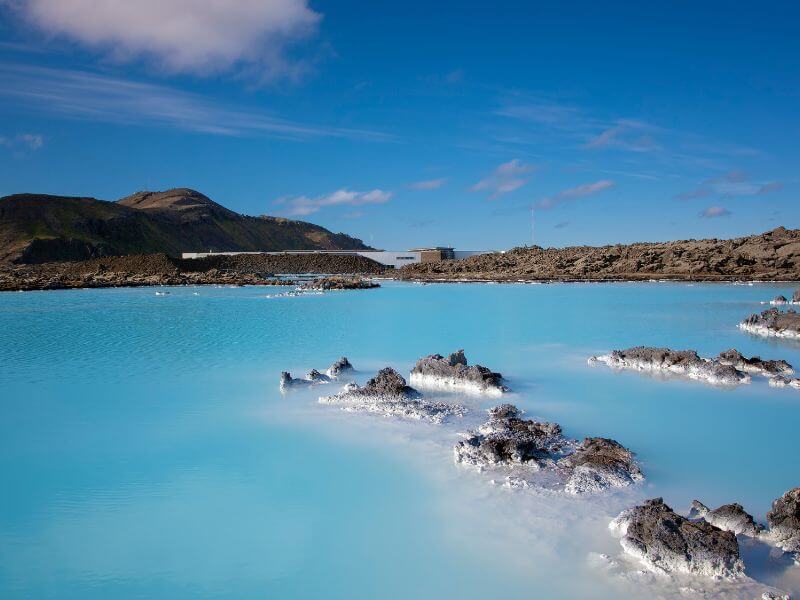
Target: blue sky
(416, 123)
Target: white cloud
(303, 205)
(574, 193)
(430, 184)
(24, 141)
(730, 184)
(506, 178)
(94, 97)
(181, 35)
(715, 211)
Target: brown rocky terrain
(774, 255)
(161, 269)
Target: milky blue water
(146, 451)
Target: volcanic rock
(773, 323)
(453, 373)
(667, 542)
(728, 517)
(682, 362)
(599, 464)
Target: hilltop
(38, 228)
(774, 255)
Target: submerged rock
(506, 439)
(779, 301)
(773, 323)
(728, 517)
(784, 521)
(453, 373)
(665, 541)
(599, 464)
(340, 283)
(313, 377)
(388, 394)
(781, 381)
(768, 368)
(681, 362)
(339, 368)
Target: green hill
(37, 228)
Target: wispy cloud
(24, 141)
(730, 184)
(304, 205)
(429, 184)
(626, 134)
(506, 178)
(181, 36)
(92, 96)
(574, 193)
(713, 212)
(544, 121)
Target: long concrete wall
(390, 258)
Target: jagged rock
(681, 362)
(773, 323)
(665, 541)
(728, 517)
(387, 394)
(453, 373)
(784, 521)
(768, 368)
(339, 368)
(313, 377)
(779, 301)
(507, 439)
(599, 464)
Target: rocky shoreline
(771, 256)
(163, 270)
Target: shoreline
(252, 281)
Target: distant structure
(389, 258)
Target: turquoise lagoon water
(147, 452)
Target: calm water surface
(146, 451)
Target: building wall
(385, 257)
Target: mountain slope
(38, 228)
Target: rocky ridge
(771, 256)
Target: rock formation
(773, 323)
(339, 283)
(681, 362)
(781, 381)
(453, 373)
(767, 368)
(784, 521)
(313, 377)
(599, 464)
(667, 542)
(339, 368)
(506, 439)
(728, 517)
(387, 394)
